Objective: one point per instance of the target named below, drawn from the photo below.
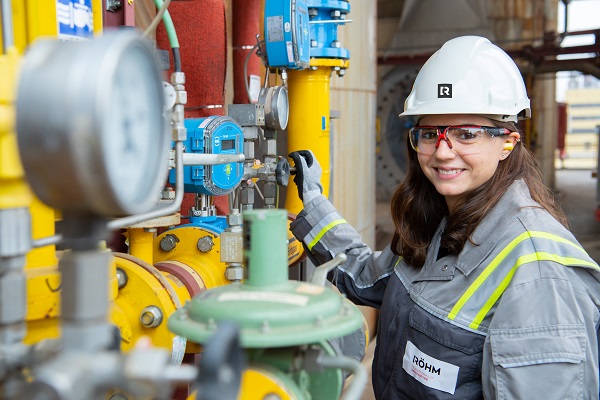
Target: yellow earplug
(508, 146)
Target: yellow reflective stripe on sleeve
(538, 256)
(498, 260)
(324, 231)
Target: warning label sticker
(275, 28)
(75, 19)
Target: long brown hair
(417, 208)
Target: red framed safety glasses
(464, 139)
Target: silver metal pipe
(8, 39)
(161, 211)
(211, 159)
(331, 21)
(47, 241)
(84, 300)
(359, 377)
(319, 276)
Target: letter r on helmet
(444, 90)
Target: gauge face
(90, 125)
(133, 130)
(275, 100)
(282, 107)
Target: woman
(483, 291)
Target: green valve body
(270, 310)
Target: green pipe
(265, 247)
(170, 28)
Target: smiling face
(454, 175)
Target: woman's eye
(467, 135)
(428, 135)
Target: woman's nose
(444, 149)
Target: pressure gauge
(90, 124)
(275, 101)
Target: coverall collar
(490, 229)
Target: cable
(256, 46)
(157, 18)
(170, 28)
(259, 192)
(176, 59)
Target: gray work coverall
(514, 316)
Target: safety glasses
(464, 139)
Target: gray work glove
(308, 175)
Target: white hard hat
(469, 75)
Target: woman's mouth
(449, 172)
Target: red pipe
(245, 27)
(202, 33)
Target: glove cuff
(309, 196)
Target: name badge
(429, 371)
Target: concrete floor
(576, 191)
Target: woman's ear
(509, 143)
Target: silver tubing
(8, 39)
(161, 211)
(359, 374)
(211, 159)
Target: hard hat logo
(484, 81)
(444, 90)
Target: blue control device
(325, 16)
(287, 33)
(212, 135)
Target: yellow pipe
(37, 18)
(308, 124)
(42, 226)
(32, 19)
(141, 243)
(43, 300)
(14, 191)
(143, 289)
(207, 265)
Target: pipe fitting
(151, 317)
(178, 78)
(169, 242)
(122, 278)
(234, 273)
(205, 244)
